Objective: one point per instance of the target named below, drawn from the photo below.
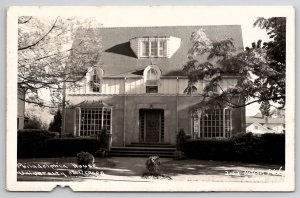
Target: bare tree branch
(41, 39)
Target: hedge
(32, 142)
(42, 143)
(209, 149)
(246, 147)
(69, 147)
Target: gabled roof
(266, 129)
(118, 59)
(258, 115)
(250, 120)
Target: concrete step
(136, 151)
(150, 145)
(139, 155)
(144, 148)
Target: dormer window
(145, 48)
(154, 47)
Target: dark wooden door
(152, 126)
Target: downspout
(124, 115)
(177, 90)
(63, 110)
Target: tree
(34, 122)
(36, 117)
(260, 70)
(53, 53)
(55, 125)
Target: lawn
(132, 169)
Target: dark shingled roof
(119, 60)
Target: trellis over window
(151, 76)
(94, 79)
(92, 117)
(212, 123)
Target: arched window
(95, 79)
(152, 75)
(95, 82)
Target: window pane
(95, 82)
(163, 48)
(151, 89)
(91, 121)
(154, 48)
(212, 123)
(145, 48)
(152, 74)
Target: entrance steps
(144, 150)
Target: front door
(151, 125)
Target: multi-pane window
(163, 48)
(151, 89)
(95, 82)
(152, 74)
(213, 123)
(154, 48)
(151, 83)
(90, 121)
(145, 48)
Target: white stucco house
(257, 128)
(259, 125)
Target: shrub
(33, 142)
(85, 160)
(67, 135)
(152, 165)
(244, 147)
(102, 152)
(180, 140)
(247, 147)
(55, 125)
(273, 148)
(209, 149)
(34, 122)
(267, 148)
(103, 138)
(67, 147)
(42, 143)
